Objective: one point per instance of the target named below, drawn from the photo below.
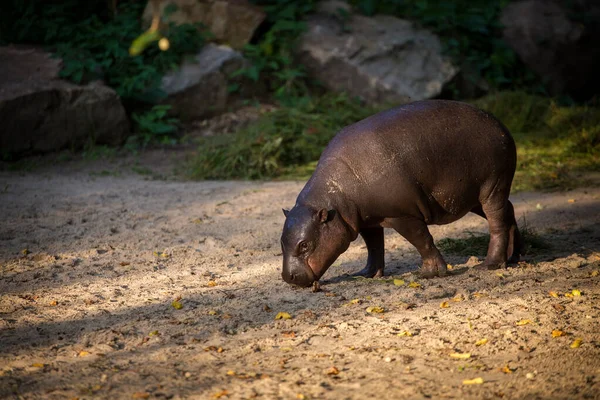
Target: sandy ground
(92, 257)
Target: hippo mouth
(299, 274)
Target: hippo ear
(285, 212)
(326, 216)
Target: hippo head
(311, 241)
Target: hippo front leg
(416, 232)
(373, 238)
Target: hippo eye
(303, 246)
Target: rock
(199, 88)
(380, 58)
(232, 22)
(563, 51)
(41, 113)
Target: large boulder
(559, 40)
(40, 113)
(380, 58)
(201, 85)
(232, 22)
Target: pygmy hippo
(427, 162)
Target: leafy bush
(154, 125)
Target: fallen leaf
(507, 370)
(283, 315)
(154, 333)
(226, 316)
(558, 307)
(457, 298)
(53, 303)
(330, 294)
(477, 294)
(25, 252)
(124, 263)
(355, 301)
(568, 294)
(523, 322)
(576, 292)
(404, 333)
(414, 285)
(500, 275)
(538, 206)
(83, 353)
(444, 304)
(333, 371)
(288, 334)
(449, 267)
(140, 395)
(398, 282)
(231, 373)
(595, 273)
(211, 284)
(267, 308)
(576, 343)
(476, 381)
(375, 309)
(37, 365)
(461, 356)
(300, 396)
(177, 305)
(571, 201)
(557, 333)
(481, 342)
(553, 294)
(220, 394)
(212, 312)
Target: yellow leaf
(449, 267)
(595, 273)
(461, 356)
(523, 322)
(507, 370)
(481, 342)
(375, 309)
(553, 294)
(404, 333)
(457, 298)
(568, 294)
(153, 333)
(414, 285)
(476, 381)
(212, 312)
(557, 333)
(571, 201)
(333, 371)
(500, 275)
(53, 303)
(283, 315)
(220, 394)
(355, 301)
(398, 282)
(37, 365)
(25, 252)
(300, 396)
(576, 292)
(444, 304)
(177, 305)
(576, 343)
(83, 353)
(211, 284)
(231, 373)
(140, 395)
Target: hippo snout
(296, 273)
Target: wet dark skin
(425, 163)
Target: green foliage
(272, 57)
(154, 126)
(554, 143)
(93, 43)
(279, 142)
(470, 31)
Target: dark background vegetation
(558, 138)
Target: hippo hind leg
(505, 239)
(416, 232)
(373, 238)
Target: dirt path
(87, 312)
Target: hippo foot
(491, 266)
(431, 270)
(368, 272)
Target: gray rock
(380, 58)
(41, 113)
(199, 87)
(563, 50)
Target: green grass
(555, 143)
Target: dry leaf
(283, 315)
(231, 373)
(553, 294)
(398, 282)
(355, 301)
(595, 273)
(461, 356)
(449, 267)
(212, 312)
(300, 396)
(140, 395)
(507, 370)
(576, 343)
(83, 353)
(558, 307)
(267, 308)
(124, 263)
(333, 371)
(481, 342)
(444, 304)
(457, 298)
(500, 275)
(288, 334)
(576, 292)
(37, 365)
(568, 294)
(211, 284)
(53, 303)
(220, 394)
(476, 381)
(414, 285)
(557, 333)
(571, 201)
(523, 322)
(154, 333)
(177, 305)
(404, 333)
(330, 294)
(375, 309)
